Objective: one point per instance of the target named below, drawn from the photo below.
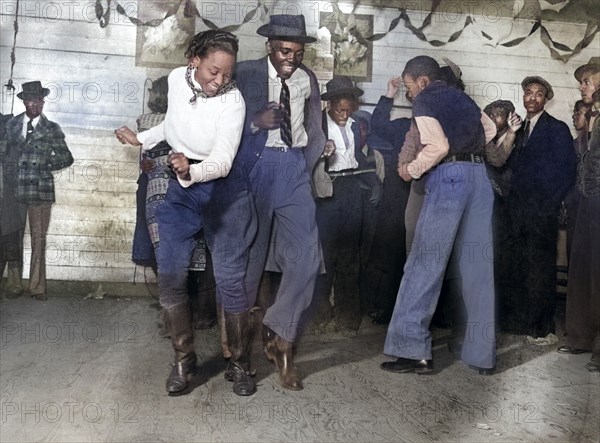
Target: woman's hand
(180, 165)
(127, 136)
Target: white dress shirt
(344, 157)
(34, 122)
(299, 86)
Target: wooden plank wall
(96, 87)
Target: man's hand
(269, 117)
(393, 87)
(403, 172)
(514, 122)
(126, 135)
(329, 149)
(180, 165)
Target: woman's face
(213, 71)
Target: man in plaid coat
(41, 149)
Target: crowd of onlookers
(450, 216)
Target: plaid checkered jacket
(44, 152)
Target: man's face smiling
(285, 56)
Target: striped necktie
(286, 122)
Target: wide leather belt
(282, 148)
(473, 158)
(349, 173)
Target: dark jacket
(252, 80)
(588, 170)
(543, 169)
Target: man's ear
(423, 81)
(268, 47)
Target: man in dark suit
(41, 149)
(281, 143)
(543, 169)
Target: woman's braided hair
(210, 41)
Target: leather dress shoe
(483, 371)
(281, 352)
(407, 366)
(566, 349)
(592, 366)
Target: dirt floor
(78, 370)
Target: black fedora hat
(340, 85)
(287, 28)
(32, 90)
(593, 65)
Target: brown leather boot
(179, 318)
(280, 352)
(223, 332)
(238, 368)
(164, 330)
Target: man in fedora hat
(281, 143)
(40, 144)
(342, 218)
(583, 297)
(543, 170)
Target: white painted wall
(96, 87)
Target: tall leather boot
(223, 332)
(239, 336)
(280, 352)
(179, 318)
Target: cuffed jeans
(456, 215)
(225, 209)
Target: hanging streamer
(554, 47)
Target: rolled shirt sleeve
(435, 146)
(489, 127)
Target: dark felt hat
(536, 79)
(33, 90)
(340, 85)
(287, 28)
(593, 65)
